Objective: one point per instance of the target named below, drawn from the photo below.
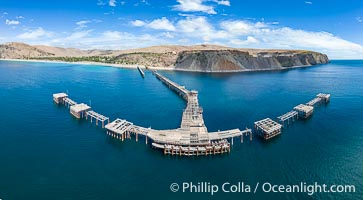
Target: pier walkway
(289, 116)
(98, 117)
(180, 90)
(69, 102)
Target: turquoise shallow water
(47, 154)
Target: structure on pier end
(58, 98)
(324, 97)
(79, 110)
(304, 111)
(267, 128)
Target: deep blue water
(47, 154)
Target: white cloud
(289, 38)
(308, 2)
(83, 23)
(157, 24)
(192, 30)
(223, 2)
(35, 34)
(248, 34)
(112, 3)
(112, 35)
(194, 6)
(161, 24)
(199, 27)
(78, 35)
(108, 40)
(19, 17)
(168, 35)
(138, 23)
(239, 27)
(12, 22)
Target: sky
(333, 27)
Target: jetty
(192, 138)
(320, 98)
(142, 73)
(178, 89)
(80, 110)
(268, 128)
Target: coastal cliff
(236, 60)
(200, 58)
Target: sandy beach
(89, 63)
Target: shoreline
(154, 68)
(85, 63)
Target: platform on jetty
(59, 97)
(267, 128)
(80, 110)
(304, 111)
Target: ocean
(45, 153)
